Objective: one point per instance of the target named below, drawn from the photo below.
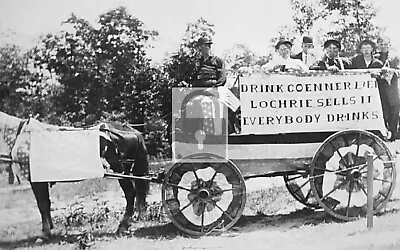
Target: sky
(252, 22)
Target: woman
(366, 60)
(282, 61)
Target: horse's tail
(141, 167)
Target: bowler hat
(203, 41)
(307, 39)
(334, 42)
(280, 42)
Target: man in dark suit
(306, 55)
(331, 60)
(390, 85)
(209, 70)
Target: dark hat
(307, 39)
(334, 42)
(283, 42)
(203, 40)
(365, 42)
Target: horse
(122, 149)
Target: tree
(349, 21)
(239, 56)
(353, 22)
(104, 72)
(180, 64)
(179, 67)
(21, 92)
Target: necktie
(305, 59)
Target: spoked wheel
(204, 197)
(339, 174)
(298, 185)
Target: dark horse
(124, 151)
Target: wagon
(314, 129)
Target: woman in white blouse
(281, 61)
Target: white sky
(252, 22)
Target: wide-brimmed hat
(367, 41)
(307, 40)
(280, 42)
(334, 42)
(203, 41)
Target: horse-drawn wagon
(314, 129)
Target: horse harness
(118, 138)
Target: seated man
(331, 60)
(209, 70)
(282, 61)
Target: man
(390, 87)
(331, 60)
(209, 70)
(282, 61)
(306, 55)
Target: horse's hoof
(122, 229)
(43, 237)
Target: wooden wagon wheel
(338, 174)
(204, 197)
(298, 185)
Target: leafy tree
(21, 92)
(180, 64)
(104, 72)
(239, 56)
(349, 21)
(352, 22)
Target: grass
(89, 212)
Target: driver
(282, 61)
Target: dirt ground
(279, 222)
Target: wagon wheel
(203, 197)
(339, 174)
(298, 185)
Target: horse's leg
(41, 192)
(130, 193)
(141, 193)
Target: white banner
(65, 155)
(273, 104)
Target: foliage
(352, 22)
(103, 71)
(21, 93)
(180, 65)
(349, 21)
(239, 56)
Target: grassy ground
(87, 214)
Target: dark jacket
(358, 62)
(392, 88)
(325, 62)
(210, 72)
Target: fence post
(370, 192)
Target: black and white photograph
(200, 124)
